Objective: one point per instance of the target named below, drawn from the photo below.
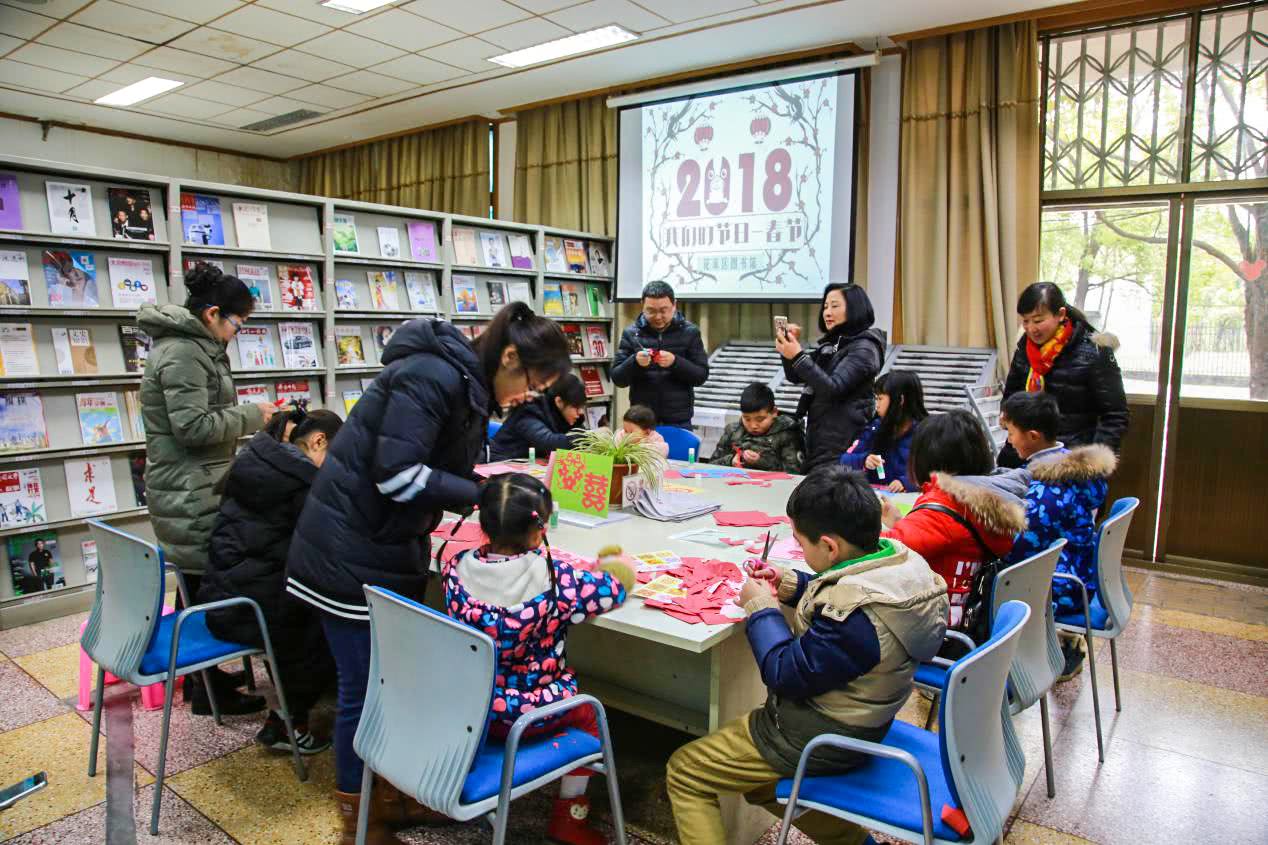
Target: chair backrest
(1110, 582)
(129, 600)
(680, 441)
(982, 758)
(493, 428)
(1038, 660)
(431, 686)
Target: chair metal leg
(99, 693)
(790, 810)
(363, 807)
(933, 710)
(1096, 695)
(169, 688)
(1118, 701)
(211, 696)
(500, 820)
(1047, 743)
(609, 766)
(250, 673)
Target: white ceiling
(413, 63)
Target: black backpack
(976, 619)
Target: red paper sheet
(740, 519)
(710, 584)
(770, 475)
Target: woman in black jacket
(404, 456)
(838, 400)
(262, 496)
(544, 425)
(1062, 355)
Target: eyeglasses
(235, 322)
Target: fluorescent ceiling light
(582, 42)
(149, 87)
(355, 7)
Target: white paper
(131, 282)
(519, 292)
(422, 291)
(299, 349)
(251, 222)
(255, 349)
(389, 242)
(17, 350)
(90, 486)
(61, 351)
(70, 209)
(88, 551)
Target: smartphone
(11, 795)
(781, 326)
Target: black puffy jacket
(1088, 387)
(838, 400)
(670, 392)
(404, 456)
(537, 424)
(264, 492)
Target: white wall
(23, 138)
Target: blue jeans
(350, 644)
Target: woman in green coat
(192, 424)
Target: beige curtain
(444, 169)
(969, 185)
(565, 166)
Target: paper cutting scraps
(709, 590)
(657, 561)
(468, 536)
(708, 471)
(664, 588)
(785, 549)
(756, 482)
(502, 468)
(739, 519)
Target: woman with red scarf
(1061, 354)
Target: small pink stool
(151, 696)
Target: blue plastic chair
(974, 762)
(127, 636)
(1107, 615)
(680, 441)
(424, 661)
(494, 427)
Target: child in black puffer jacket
(263, 494)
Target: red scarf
(1043, 357)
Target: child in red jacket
(950, 462)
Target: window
(1230, 120)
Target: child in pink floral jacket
(514, 591)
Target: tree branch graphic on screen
(737, 196)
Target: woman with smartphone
(837, 372)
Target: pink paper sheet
(740, 519)
(711, 585)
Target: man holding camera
(661, 359)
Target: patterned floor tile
(192, 740)
(179, 824)
(17, 642)
(58, 746)
(1025, 833)
(56, 668)
(1191, 655)
(24, 701)
(1200, 622)
(1147, 794)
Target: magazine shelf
(495, 271)
(358, 368)
(55, 380)
(366, 261)
(46, 238)
(29, 455)
(261, 254)
(578, 277)
(288, 315)
(42, 311)
(127, 513)
(248, 375)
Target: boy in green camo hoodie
(763, 438)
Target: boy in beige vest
(869, 612)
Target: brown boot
(376, 833)
(399, 811)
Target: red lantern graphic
(704, 136)
(759, 129)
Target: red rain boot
(569, 823)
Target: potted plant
(630, 454)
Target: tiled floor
(1186, 759)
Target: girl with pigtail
(516, 592)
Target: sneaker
(273, 736)
(1073, 660)
(231, 702)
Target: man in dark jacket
(661, 359)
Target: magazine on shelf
(299, 347)
(17, 350)
(295, 285)
(132, 401)
(464, 247)
(593, 381)
(70, 208)
(74, 352)
(572, 296)
(251, 222)
(90, 486)
(350, 398)
(88, 553)
(255, 348)
(15, 278)
(594, 296)
(71, 279)
(382, 335)
(597, 342)
(576, 347)
(555, 262)
(600, 260)
(421, 288)
(251, 394)
(35, 563)
(596, 417)
(520, 247)
(130, 215)
(201, 224)
(10, 202)
(345, 234)
(345, 294)
(389, 242)
(497, 294)
(136, 468)
(258, 279)
(99, 420)
(422, 240)
(575, 256)
(294, 392)
(132, 282)
(22, 424)
(493, 249)
(464, 295)
(552, 300)
(384, 295)
(21, 498)
(519, 292)
(349, 346)
(366, 381)
(136, 346)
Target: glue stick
(880, 470)
(554, 515)
(532, 455)
(691, 456)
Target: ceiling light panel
(572, 45)
(138, 92)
